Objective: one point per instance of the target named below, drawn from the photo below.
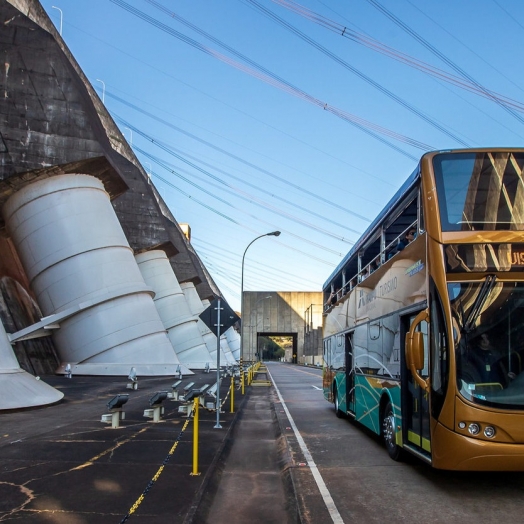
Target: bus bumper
(453, 451)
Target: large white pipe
(171, 304)
(196, 307)
(19, 389)
(233, 339)
(78, 260)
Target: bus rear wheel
(388, 433)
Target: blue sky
(236, 154)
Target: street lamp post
(103, 90)
(61, 18)
(272, 234)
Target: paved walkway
(250, 484)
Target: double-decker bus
(424, 334)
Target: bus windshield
(488, 321)
(480, 191)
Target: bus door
(350, 375)
(415, 398)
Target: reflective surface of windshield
(488, 328)
(480, 191)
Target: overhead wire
(249, 197)
(273, 16)
(252, 199)
(186, 159)
(361, 124)
(405, 27)
(342, 114)
(382, 48)
(301, 189)
(164, 165)
(211, 248)
(508, 13)
(234, 108)
(489, 64)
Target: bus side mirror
(414, 350)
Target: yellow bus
(424, 318)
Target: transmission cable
(443, 57)
(270, 14)
(241, 160)
(399, 56)
(361, 124)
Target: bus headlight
(489, 431)
(462, 425)
(474, 428)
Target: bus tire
(388, 433)
(338, 412)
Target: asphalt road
(358, 480)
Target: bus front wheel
(388, 433)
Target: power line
(241, 160)
(443, 57)
(382, 48)
(271, 79)
(354, 70)
(252, 199)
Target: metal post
(196, 404)
(217, 425)
(242, 374)
(232, 410)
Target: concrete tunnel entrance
(266, 350)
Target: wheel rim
(388, 427)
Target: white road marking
(316, 387)
(326, 495)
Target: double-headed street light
(272, 234)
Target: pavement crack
(24, 492)
(110, 451)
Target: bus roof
(397, 197)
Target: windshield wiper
(484, 292)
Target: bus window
(476, 191)
(490, 345)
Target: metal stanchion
(232, 410)
(196, 404)
(242, 374)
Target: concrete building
(295, 314)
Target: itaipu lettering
(367, 299)
(388, 287)
(415, 268)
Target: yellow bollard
(232, 394)
(196, 404)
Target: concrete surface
(60, 464)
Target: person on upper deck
(408, 238)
